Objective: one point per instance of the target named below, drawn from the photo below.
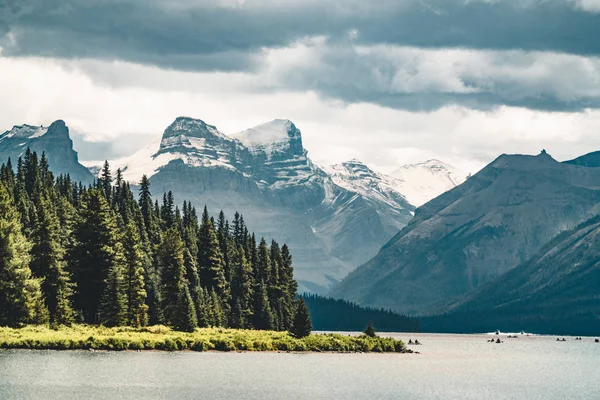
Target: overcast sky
(388, 82)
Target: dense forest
(99, 254)
(329, 314)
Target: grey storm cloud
(231, 35)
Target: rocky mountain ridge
(476, 232)
(54, 140)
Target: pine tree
(48, 263)
(211, 264)
(241, 290)
(370, 331)
(93, 253)
(203, 312)
(288, 285)
(20, 294)
(172, 263)
(185, 318)
(137, 310)
(105, 181)
(302, 325)
(145, 202)
(263, 315)
(113, 304)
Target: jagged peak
(57, 128)
(25, 131)
(187, 127)
(276, 131)
(353, 168)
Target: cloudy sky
(388, 82)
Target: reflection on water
(449, 367)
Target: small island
(85, 337)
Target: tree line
(96, 254)
(329, 314)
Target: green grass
(163, 338)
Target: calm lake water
(449, 367)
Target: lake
(449, 367)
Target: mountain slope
(557, 291)
(422, 182)
(588, 160)
(474, 233)
(265, 174)
(356, 177)
(54, 140)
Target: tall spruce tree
(48, 263)
(137, 310)
(263, 315)
(184, 318)
(20, 294)
(211, 264)
(105, 181)
(93, 253)
(172, 264)
(113, 303)
(241, 290)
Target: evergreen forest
(101, 254)
(329, 314)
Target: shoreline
(161, 338)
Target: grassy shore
(163, 338)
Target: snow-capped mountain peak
(188, 133)
(24, 132)
(357, 177)
(424, 181)
(54, 140)
(273, 138)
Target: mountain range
(513, 246)
(487, 246)
(334, 218)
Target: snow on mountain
(191, 141)
(331, 223)
(422, 182)
(24, 132)
(54, 140)
(356, 177)
(277, 136)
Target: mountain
(422, 182)
(496, 220)
(266, 175)
(54, 140)
(374, 187)
(589, 160)
(556, 291)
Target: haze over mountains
(334, 218)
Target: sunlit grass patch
(206, 339)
